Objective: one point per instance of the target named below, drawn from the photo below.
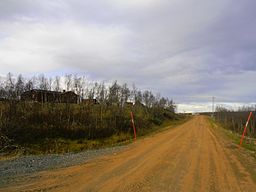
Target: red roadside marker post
(133, 125)
(242, 138)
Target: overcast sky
(188, 50)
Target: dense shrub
(35, 122)
(27, 122)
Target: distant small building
(129, 104)
(44, 96)
(90, 101)
(69, 97)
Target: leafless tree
(43, 82)
(10, 86)
(56, 84)
(19, 86)
(68, 81)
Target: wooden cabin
(69, 97)
(44, 96)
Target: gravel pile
(11, 169)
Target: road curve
(189, 157)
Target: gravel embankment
(11, 169)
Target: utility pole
(213, 107)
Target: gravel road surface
(14, 169)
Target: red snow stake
(242, 138)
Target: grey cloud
(182, 49)
(35, 10)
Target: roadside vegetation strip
(231, 136)
(249, 143)
(62, 146)
(236, 120)
(246, 155)
(46, 135)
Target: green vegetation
(52, 127)
(248, 155)
(236, 120)
(57, 128)
(248, 142)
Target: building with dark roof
(44, 96)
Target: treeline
(11, 88)
(27, 122)
(235, 120)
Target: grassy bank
(248, 142)
(36, 128)
(60, 145)
(246, 154)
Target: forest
(48, 126)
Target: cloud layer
(187, 50)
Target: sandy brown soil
(189, 157)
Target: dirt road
(190, 157)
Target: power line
(213, 106)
